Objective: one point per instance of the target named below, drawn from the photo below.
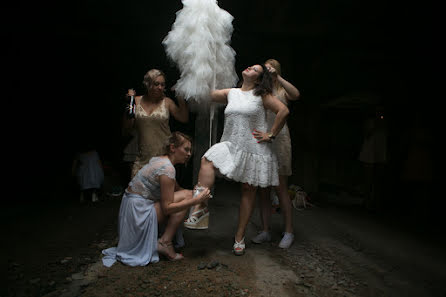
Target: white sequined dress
(238, 156)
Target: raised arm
(291, 92)
(128, 122)
(180, 112)
(220, 96)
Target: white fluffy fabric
(199, 46)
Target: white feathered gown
(199, 45)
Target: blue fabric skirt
(138, 233)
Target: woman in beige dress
(151, 120)
(285, 92)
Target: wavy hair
(177, 139)
(265, 83)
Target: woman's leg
(287, 210)
(247, 204)
(265, 215)
(173, 221)
(265, 208)
(285, 203)
(94, 195)
(199, 218)
(206, 178)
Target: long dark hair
(265, 83)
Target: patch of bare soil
(55, 250)
(47, 242)
(190, 277)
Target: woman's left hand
(261, 136)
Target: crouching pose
(153, 197)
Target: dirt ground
(55, 250)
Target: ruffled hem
(245, 167)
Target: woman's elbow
(285, 112)
(167, 211)
(295, 95)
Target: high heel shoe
(163, 249)
(239, 247)
(198, 220)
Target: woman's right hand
(203, 196)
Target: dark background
(68, 64)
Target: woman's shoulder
(233, 90)
(162, 161)
(138, 99)
(165, 167)
(168, 101)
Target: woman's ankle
(163, 243)
(239, 238)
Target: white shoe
(287, 240)
(198, 222)
(239, 247)
(262, 237)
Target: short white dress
(238, 156)
(138, 222)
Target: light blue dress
(138, 223)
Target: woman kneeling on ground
(152, 197)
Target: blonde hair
(275, 64)
(150, 77)
(276, 85)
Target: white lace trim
(242, 166)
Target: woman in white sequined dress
(286, 92)
(244, 153)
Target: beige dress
(282, 143)
(153, 133)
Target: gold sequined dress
(153, 132)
